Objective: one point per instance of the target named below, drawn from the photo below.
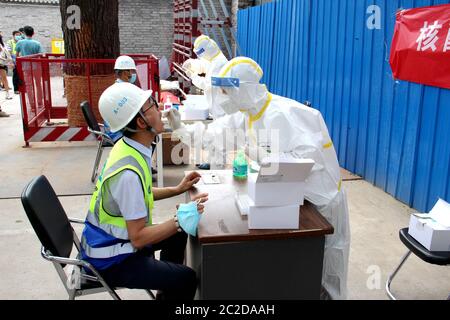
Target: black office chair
(104, 141)
(57, 237)
(437, 258)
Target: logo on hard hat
(120, 105)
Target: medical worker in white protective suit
(302, 134)
(210, 61)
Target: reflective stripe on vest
(107, 252)
(122, 157)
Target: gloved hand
(199, 82)
(256, 153)
(188, 217)
(174, 118)
(195, 67)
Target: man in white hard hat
(119, 238)
(125, 69)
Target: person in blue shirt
(28, 47)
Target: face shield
(242, 95)
(221, 88)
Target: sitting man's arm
(142, 235)
(186, 184)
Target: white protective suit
(210, 61)
(303, 134)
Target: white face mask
(228, 106)
(222, 100)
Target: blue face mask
(188, 218)
(18, 38)
(133, 78)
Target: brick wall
(146, 26)
(45, 19)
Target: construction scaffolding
(192, 18)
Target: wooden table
(233, 262)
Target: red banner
(421, 46)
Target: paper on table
(210, 179)
(441, 213)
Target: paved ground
(375, 219)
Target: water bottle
(240, 166)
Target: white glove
(195, 67)
(256, 153)
(199, 82)
(174, 118)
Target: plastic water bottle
(240, 166)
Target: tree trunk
(91, 31)
(98, 36)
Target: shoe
(16, 92)
(4, 114)
(9, 98)
(154, 171)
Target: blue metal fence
(393, 133)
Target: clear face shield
(221, 90)
(242, 95)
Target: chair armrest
(97, 133)
(76, 262)
(104, 136)
(75, 220)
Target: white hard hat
(125, 63)
(120, 103)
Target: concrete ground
(375, 219)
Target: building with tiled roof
(54, 2)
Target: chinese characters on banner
(420, 49)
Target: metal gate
(42, 94)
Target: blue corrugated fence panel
(386, 104)
(393, 133)
(365, 96)
(373, 128)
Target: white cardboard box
(431, 235)
(287, 217)
(275, 193)
(432, 230)
(195, 108)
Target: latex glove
(256, 153)
(195, 67)
(174, 118)
(199, 82)
(188, 217)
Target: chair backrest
(48, 217)
(89, 116)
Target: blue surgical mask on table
(188, 217)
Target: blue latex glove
(188, 217)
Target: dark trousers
(15, 79)
(142, 271)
